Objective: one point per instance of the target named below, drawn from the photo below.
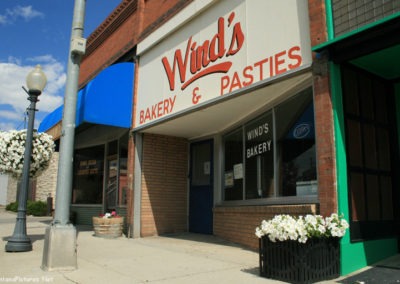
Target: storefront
(103, 119)
(364, 72)
(226, 137)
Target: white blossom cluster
(12, 149)
(286, 227)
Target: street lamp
(19, 241)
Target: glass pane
(387, 198)
(123, 179)
(201, 164)
(354, 143)
(373, 200)
(366, 98)
(383, 149)
(233, 169)
(111, 190)
(370, 153)
(88, 176)
(112, 176)
(296, 146)
(350, 92)
(380, 102)
(356, 186)
(259, 161)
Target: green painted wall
(353, 255)
(83, 213)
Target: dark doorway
(201, 187)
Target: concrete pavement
(181, 258)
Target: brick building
(242, 110)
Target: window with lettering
(274, 154)
(259, 158)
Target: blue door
(201, 187)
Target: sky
(38, 32)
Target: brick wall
(130, 22)
(47, 182)
(324, 124)
(164, 185)
(112, 39)
(238, 224)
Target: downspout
(329, 20)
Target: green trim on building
(353, 255)
(354, 32)
(329, 20)
(340, 146)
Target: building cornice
(110, 25)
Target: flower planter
(108, 227)
(294, 262)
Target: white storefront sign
(231, 45)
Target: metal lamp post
(19, 241)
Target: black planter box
(294, 262)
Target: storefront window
(263, 162)
(88, 178)
(112, 175)
(123, 178)
(116, 182)
(91, 171)
(296, 146)
(234, 161)
(259, 158)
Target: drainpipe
(329, 19)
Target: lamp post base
(59, 252)
(18, 244)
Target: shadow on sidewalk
(202, 238)
(34, 238)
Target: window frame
(275, 199)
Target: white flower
(12, 149)
(286, 227)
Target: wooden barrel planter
(108, 227)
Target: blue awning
(106, 100)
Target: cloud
(9, 115)
(12, 77)
(26, 13)
(3, 19)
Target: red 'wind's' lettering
(199, 57)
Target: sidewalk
(181, 258)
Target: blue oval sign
(301, 130)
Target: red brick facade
(237, 224)
(164, 185)
(117, 36)
(324, 124)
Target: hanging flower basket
(108, 226)
(301, 249)
(12, 149)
